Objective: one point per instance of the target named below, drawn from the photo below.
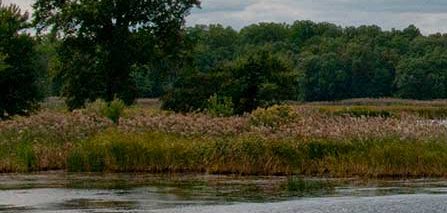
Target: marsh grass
(282, 140)
(116, 151)
(427, 112)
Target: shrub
(112, 110)
(274, 116)
(259, 80)
(220, 107)
(190, 92)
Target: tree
(260, 79)
(259, 34)
(423, 77)
(101, 41)
(369, 73)
(214, 45)
(19, 84)
(324, 77)
(47, 61)
(191, 91)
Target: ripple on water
(61, 192)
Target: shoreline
(303, 140)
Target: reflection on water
(61, 192)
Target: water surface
(62, 192)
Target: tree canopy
(19, 83)
(101, 41)
(86, 50)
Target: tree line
(85, 50)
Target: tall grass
(115, 151)
(427, 112)
(291, 140)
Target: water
(61, 192)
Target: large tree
(19, 91)
(101, 41)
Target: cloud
(429, 15)
(24, 4)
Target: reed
(116, 151)
(282, 140)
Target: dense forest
(143, 49)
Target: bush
(262, 79)
(259, 80)
(273, 117)
(220, 107)
(112, 110)
(190, 92)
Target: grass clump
(427, 112)
(220, 107)
(111, 110)
(117, 151)
(273, 117)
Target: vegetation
(19, 78)
(322, 62)
(103, 50)
(284, 139)
(260, 80)
(101, 41)
(111, 110)
(226, 90)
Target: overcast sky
(429, 15)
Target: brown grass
(296, 139)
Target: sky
(429, 15)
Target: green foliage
(260, 79)
(128, 49)
(48, 63)
(387, 111)
(101, 41)
(111, 110)
(148, 80)
(213, 46)
(19, 83)
(273, 117)
(26, 157)
(220, 106)
(190, 92)
(423, 77)
(265, 33)
(365, 112)
(341, 69)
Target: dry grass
(384, 102)
(298, 139)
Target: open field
(366, 140)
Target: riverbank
(311, 140)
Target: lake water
(62, 192)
